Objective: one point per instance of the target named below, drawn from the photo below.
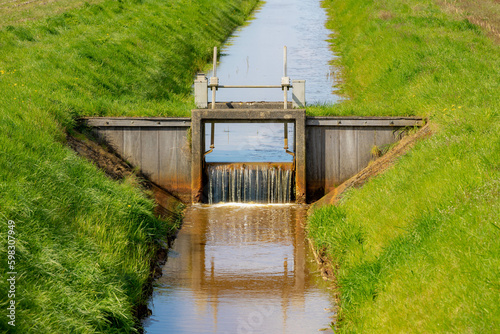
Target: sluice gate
(329, 150)
(326, 150)
(201, 117)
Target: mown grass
(409, 58)
(417, 248)
(15, 12)
(84, 242)
(484, 13)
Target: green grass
(409, 58)
(116, 58)
(84, 242)
(417, 248)
(14, 12)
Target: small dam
(326, 152)
(322, 152)
(249, 182)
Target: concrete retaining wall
(339, 147)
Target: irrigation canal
(253, 55)
(240, 268)
(246, 268)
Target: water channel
(247, 268)
(254, 54)
(241, 269)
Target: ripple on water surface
(246, 268)
(240, 269)
(254, 54)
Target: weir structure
(326, 150)
(201, 116)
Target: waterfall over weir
(250, 182)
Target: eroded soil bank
(168, 207)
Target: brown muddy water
(241, 268)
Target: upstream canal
(247, 267)
(254, 54)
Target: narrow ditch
(243, 263)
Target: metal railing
(202, 84)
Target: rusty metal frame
(202, 116)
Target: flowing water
(240, 269)
(257, 183)
(254, 54)
(246, 268)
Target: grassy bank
(417, 248)
(84, 242)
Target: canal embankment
(85, 243)
(414, 246)
(415, 249)
(167, 207)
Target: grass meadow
(417, 249)
(84, 243)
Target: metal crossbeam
(249, 86)
(201, 85)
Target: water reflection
(254, 54)
(249, 142)
(240, 269)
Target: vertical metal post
(284, 61)
(285, 105)
(213, 79)
(286, 136)
(285, 81)
(286, 143)
(215, 62)
(212, 132)
(285, 98)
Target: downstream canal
(240, 268)
(247, 267)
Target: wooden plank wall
(337, 148)
(161, 153)
(336, 153)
